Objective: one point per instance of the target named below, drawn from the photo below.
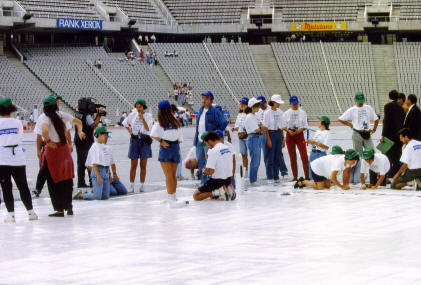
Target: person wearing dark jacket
(209, 119)
(413, 117)
(394, 116)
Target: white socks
(172, 197)
(131, 186)
(10, 218)
(141, 187)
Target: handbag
(364, 134)
(242, 136)
(147, 139)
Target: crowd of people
(261, 126)
(182, 93)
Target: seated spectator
(175, 53)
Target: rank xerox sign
(79, 24)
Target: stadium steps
(31, 76)
(269, 70)
(385, 72)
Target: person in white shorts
(374, 164)
(219, 166)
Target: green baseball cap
(351, 154)
(50, 100)
(6, 102)
(368, 153)
(56, 96)
(202, 137)
(336, 150)
(141, 102)
(324, 119)
(101, 130)
(359, 97)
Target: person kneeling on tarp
(374, 164)
(100, 156)
(219, 167)
(327, 168)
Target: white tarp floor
(263, 237)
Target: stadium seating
(207, 11)
(143, 11)
(14, 84)
(75, 9)
(304, 70)
(408, 65)
(409, 9)
(319, 10)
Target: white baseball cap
(253, 101)
(277, 99)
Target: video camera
(88, 106)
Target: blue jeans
(355, 173)
(253, 143)
(275, 157)
(266, 151)
(201, 161)
(101, 191)
(314, 156)
(117, 188)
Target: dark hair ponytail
(247, 110)
(51, 112)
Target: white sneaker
(32, 216)
(131, 190)
(223, 194)
(177, 204)
(418, 184)
(10, 219)
(142, 188)
(231, 193)
(270, 181)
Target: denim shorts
(243, 146)
(170, 154)
(139, 149)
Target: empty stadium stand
(143, 11)
(207, 11)
(14, 84)
(305, 73)
(75, 9)
(409, 9)
(408, 65)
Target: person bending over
(375, 164)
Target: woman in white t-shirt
(320, 141)
(12, 161)
(167, 131)
(253, 140)
(242, 134)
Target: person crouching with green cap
(326, 169)
(374, 164)
(139, 125)
(12, 161)
(100, 157)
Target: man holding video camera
(86, 109)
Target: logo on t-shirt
(363, 118)
(224, 151)
(9, 131)
(417, 147)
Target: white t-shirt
(273, 120)
(360, 117)
(412, 154)
(220, 160)
(261, 114)
(135, 123)
(100, 154)
(229, 145)
(202, 123)
(295, 119)
(240, 122)
(43, 119)
(38, 126)
(11, 133)
(252, 123)
(320, 137)
(380, 164)
(170, 134)
(325, 165)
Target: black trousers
(41, 179)
(19, 176)
(82, 155)
(373, 178)
(60, 193)
(394, 155)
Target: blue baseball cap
(262, 99)
(208, 94)
(220, 133)
(293, 100)
(244, 100)
(164, 104)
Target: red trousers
(299, 141)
